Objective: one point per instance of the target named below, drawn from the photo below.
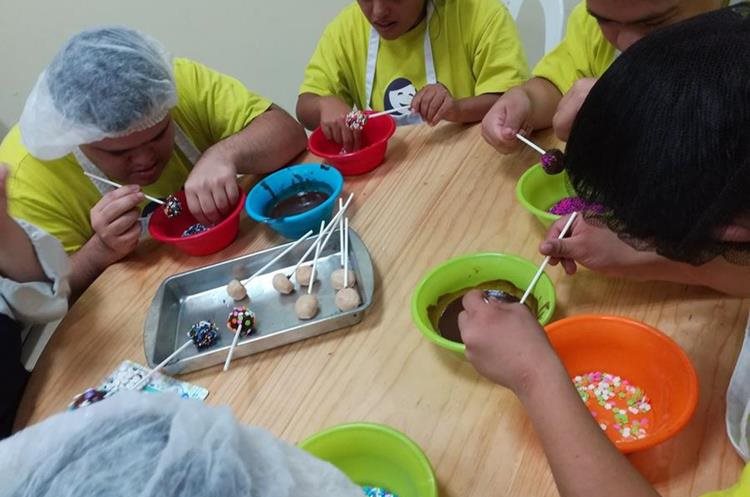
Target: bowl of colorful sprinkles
(637, 383)
(547, 196)
(187, 234)
(436, 301)
(383, 461)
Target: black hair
(663, 138)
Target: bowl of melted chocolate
(437, 300)
(295, 199)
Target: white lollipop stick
(531, 143)
(328, 228)
(391, 111)
(234, 344)
(144, 381)
(117, 185)
(275, 259)
(346, 252)
(539, 272)
(315, 259)
(341, 234)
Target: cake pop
(241, 318)
(172, 206)
(356, 120)
(552, 161)
(347, 299)
(303, 274)
(204, 334)
(236, 290)
(306, 306)
(282, 284)
(338, 277)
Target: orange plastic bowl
(375, 136)
(636, 352)
(217, 237)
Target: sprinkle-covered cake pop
(241, 316)
(194, 230)
(552, 161)
(87, 398)
(356, 120)
(172, 206)
(204, 334)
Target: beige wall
(266, 44)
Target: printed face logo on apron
(399, 93)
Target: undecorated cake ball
(303, 275)
(306, 306)
(337, 279)
(347, 299)
(236, 290)
(282, 284)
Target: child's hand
(211, 189)
(434, 103)
(333, 113)
(569, 106)
(504, 342)
(115, 219)
(598, 249)
(509, 115)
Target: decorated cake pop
(282, 284)
(204, 334)
(356, 120)
(306, 306)
(86, 398)
(172, 206)
(194, 230)
(236, 290)
(347, 299)
(241, 316)
(552, 161)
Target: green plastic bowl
(538, 191)
(471, 270)
(375, 455)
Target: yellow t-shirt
(475, 46)
(57, 197)
(741, 489)
(583, 52)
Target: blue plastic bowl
(288, 181)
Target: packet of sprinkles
(622, 410)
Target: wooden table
(442, 192)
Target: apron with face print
(183, 144)
(372, 59)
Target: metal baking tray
(186, 298)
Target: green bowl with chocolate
(436, 300)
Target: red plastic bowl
(207, 242)
(375, 136)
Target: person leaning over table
(446, 59)
(597, 32)
(113, 103)
(675, 192)
(33, 290)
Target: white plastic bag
(159, 445)
(738, 401)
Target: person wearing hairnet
(113, 103)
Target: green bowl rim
(459, 347)
(414, 449)
(527, 205)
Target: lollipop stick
(531, 143)
(144, 381)
(315, 259)
(346, 252)
(117, 185)
(328, 229)
(391, 111)
(341, 233)
(539, 272)
(275, 259)
(234, 344)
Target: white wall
(266, 44)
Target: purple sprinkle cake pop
(552, 161)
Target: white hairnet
(159, 445)
(103, 83)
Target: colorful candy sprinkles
(568, 205)
(620, 408)
(172, 206)
(377, 492)
(241, 315)
(356, 120)
(204, 334)
(194, 230)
